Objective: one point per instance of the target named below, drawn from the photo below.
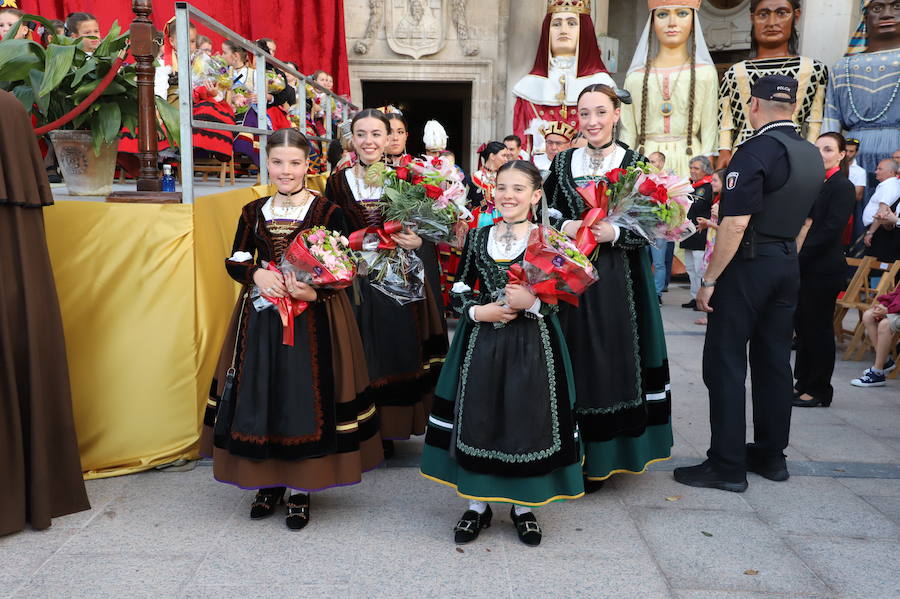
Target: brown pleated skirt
(40, 469)
(333, 470)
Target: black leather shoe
(692, 305)
(592, 486)
(705, 476)
(772, 468)
(815, 402)
(527, 528)
(470, 525)
(297, 511)
(264, 504)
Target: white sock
(477, 506)
(521, 509)
(877, 370)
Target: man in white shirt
(887, 192)
(857, 174)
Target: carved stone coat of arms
(416, 27)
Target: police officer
(750, 290)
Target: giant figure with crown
(568, 60)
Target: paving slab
(22, 554)
(889, 506)
(872, 487)
(841, 443)
(680, 594)
(180, 510)
(854, 568)
(662, 492)
(102, 575)
(712, 550)
(817, 506)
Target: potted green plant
(51, 82)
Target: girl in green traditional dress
(502, 428)
(615, 335)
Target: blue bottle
(168, 180)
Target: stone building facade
(462, 57)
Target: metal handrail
(184, 14)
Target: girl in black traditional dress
(405, 344)
(289, 416)
(615, 335)
(503, 427)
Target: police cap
(777, 88)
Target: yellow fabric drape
(145, 303)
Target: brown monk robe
(40, 471)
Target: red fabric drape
(307, 32)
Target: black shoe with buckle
(470, 525)
(297, 511)
(706, 476)
(772, 468)
(528, 529)
(264, 504)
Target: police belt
(763, 238)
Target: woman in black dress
(823, 270)
(405, 345)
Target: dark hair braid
(642, 131)
(690, 129)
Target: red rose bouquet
(427, 193)
(319, 258)
(554, 268)
(652, 205)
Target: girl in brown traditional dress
(289, 416)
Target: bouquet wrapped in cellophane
(318, 257)
(392, 270)
(212, 73)
(553, 269)
(654, 206)
(427, 193)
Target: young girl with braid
(674, 84)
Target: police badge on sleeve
(731, 180)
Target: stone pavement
(830, 531)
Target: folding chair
(859, 345)
(849, 298)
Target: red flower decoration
(661, 195)
(406, 160)
(647, 188)
(432, 191)
(403, 173)
(614, 175)
(416, 180)
(437, 162)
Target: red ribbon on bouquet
(288, 308)
(545, 291)
(384, 232)
(594, 195)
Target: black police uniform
(775, 177)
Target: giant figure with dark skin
(775, 47)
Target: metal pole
(262, 115)
(328, 110)
(185, 103)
